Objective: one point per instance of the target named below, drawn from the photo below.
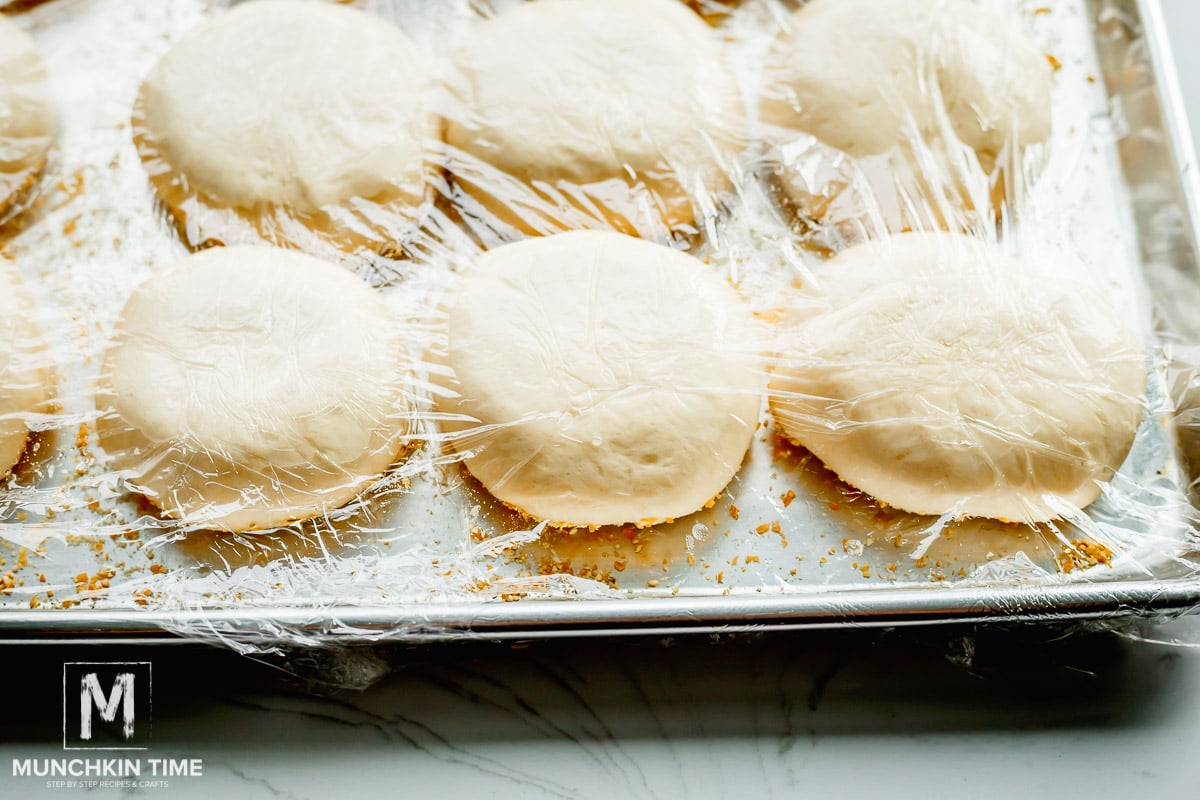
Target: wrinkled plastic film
(27, 128)
(758, 207)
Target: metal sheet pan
(822, 568)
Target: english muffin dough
(866, 77)
(292, 122)
(603, 379)
(855, 73)
(26, 123)
(941, 376)
(248, 387)
(25, 378)
(616, 110)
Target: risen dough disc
(279, 119)
(894, 84)
(25, 379)
(855, 73)
(621, 110)
(938, 375)
(25, 119)
(249, 387)
(614, 372)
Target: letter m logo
(92, 696)
(106, 706)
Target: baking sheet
(429, 553)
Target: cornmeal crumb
(1082, 554)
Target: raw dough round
(249, 387)
(617, 110)
(855, 73)
(896, 85)
(284, 120)
(25, 379)
(939, 375)
(26, 124)
(608, 375)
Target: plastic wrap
(26, 125)
(446, 410)
(352, 174)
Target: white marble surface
(847, 715)
(926, 714)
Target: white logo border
(149, 696)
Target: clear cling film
(26, 131)
(344, 322)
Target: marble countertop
(991, 713)
(949, 712)
(982, 714)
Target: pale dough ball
(25, 376)
(864, 77)
(280, 117)
(605, 379)
(939, 375)
(618, 110)
(26, 123)
(856, 73)
(248, 387)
